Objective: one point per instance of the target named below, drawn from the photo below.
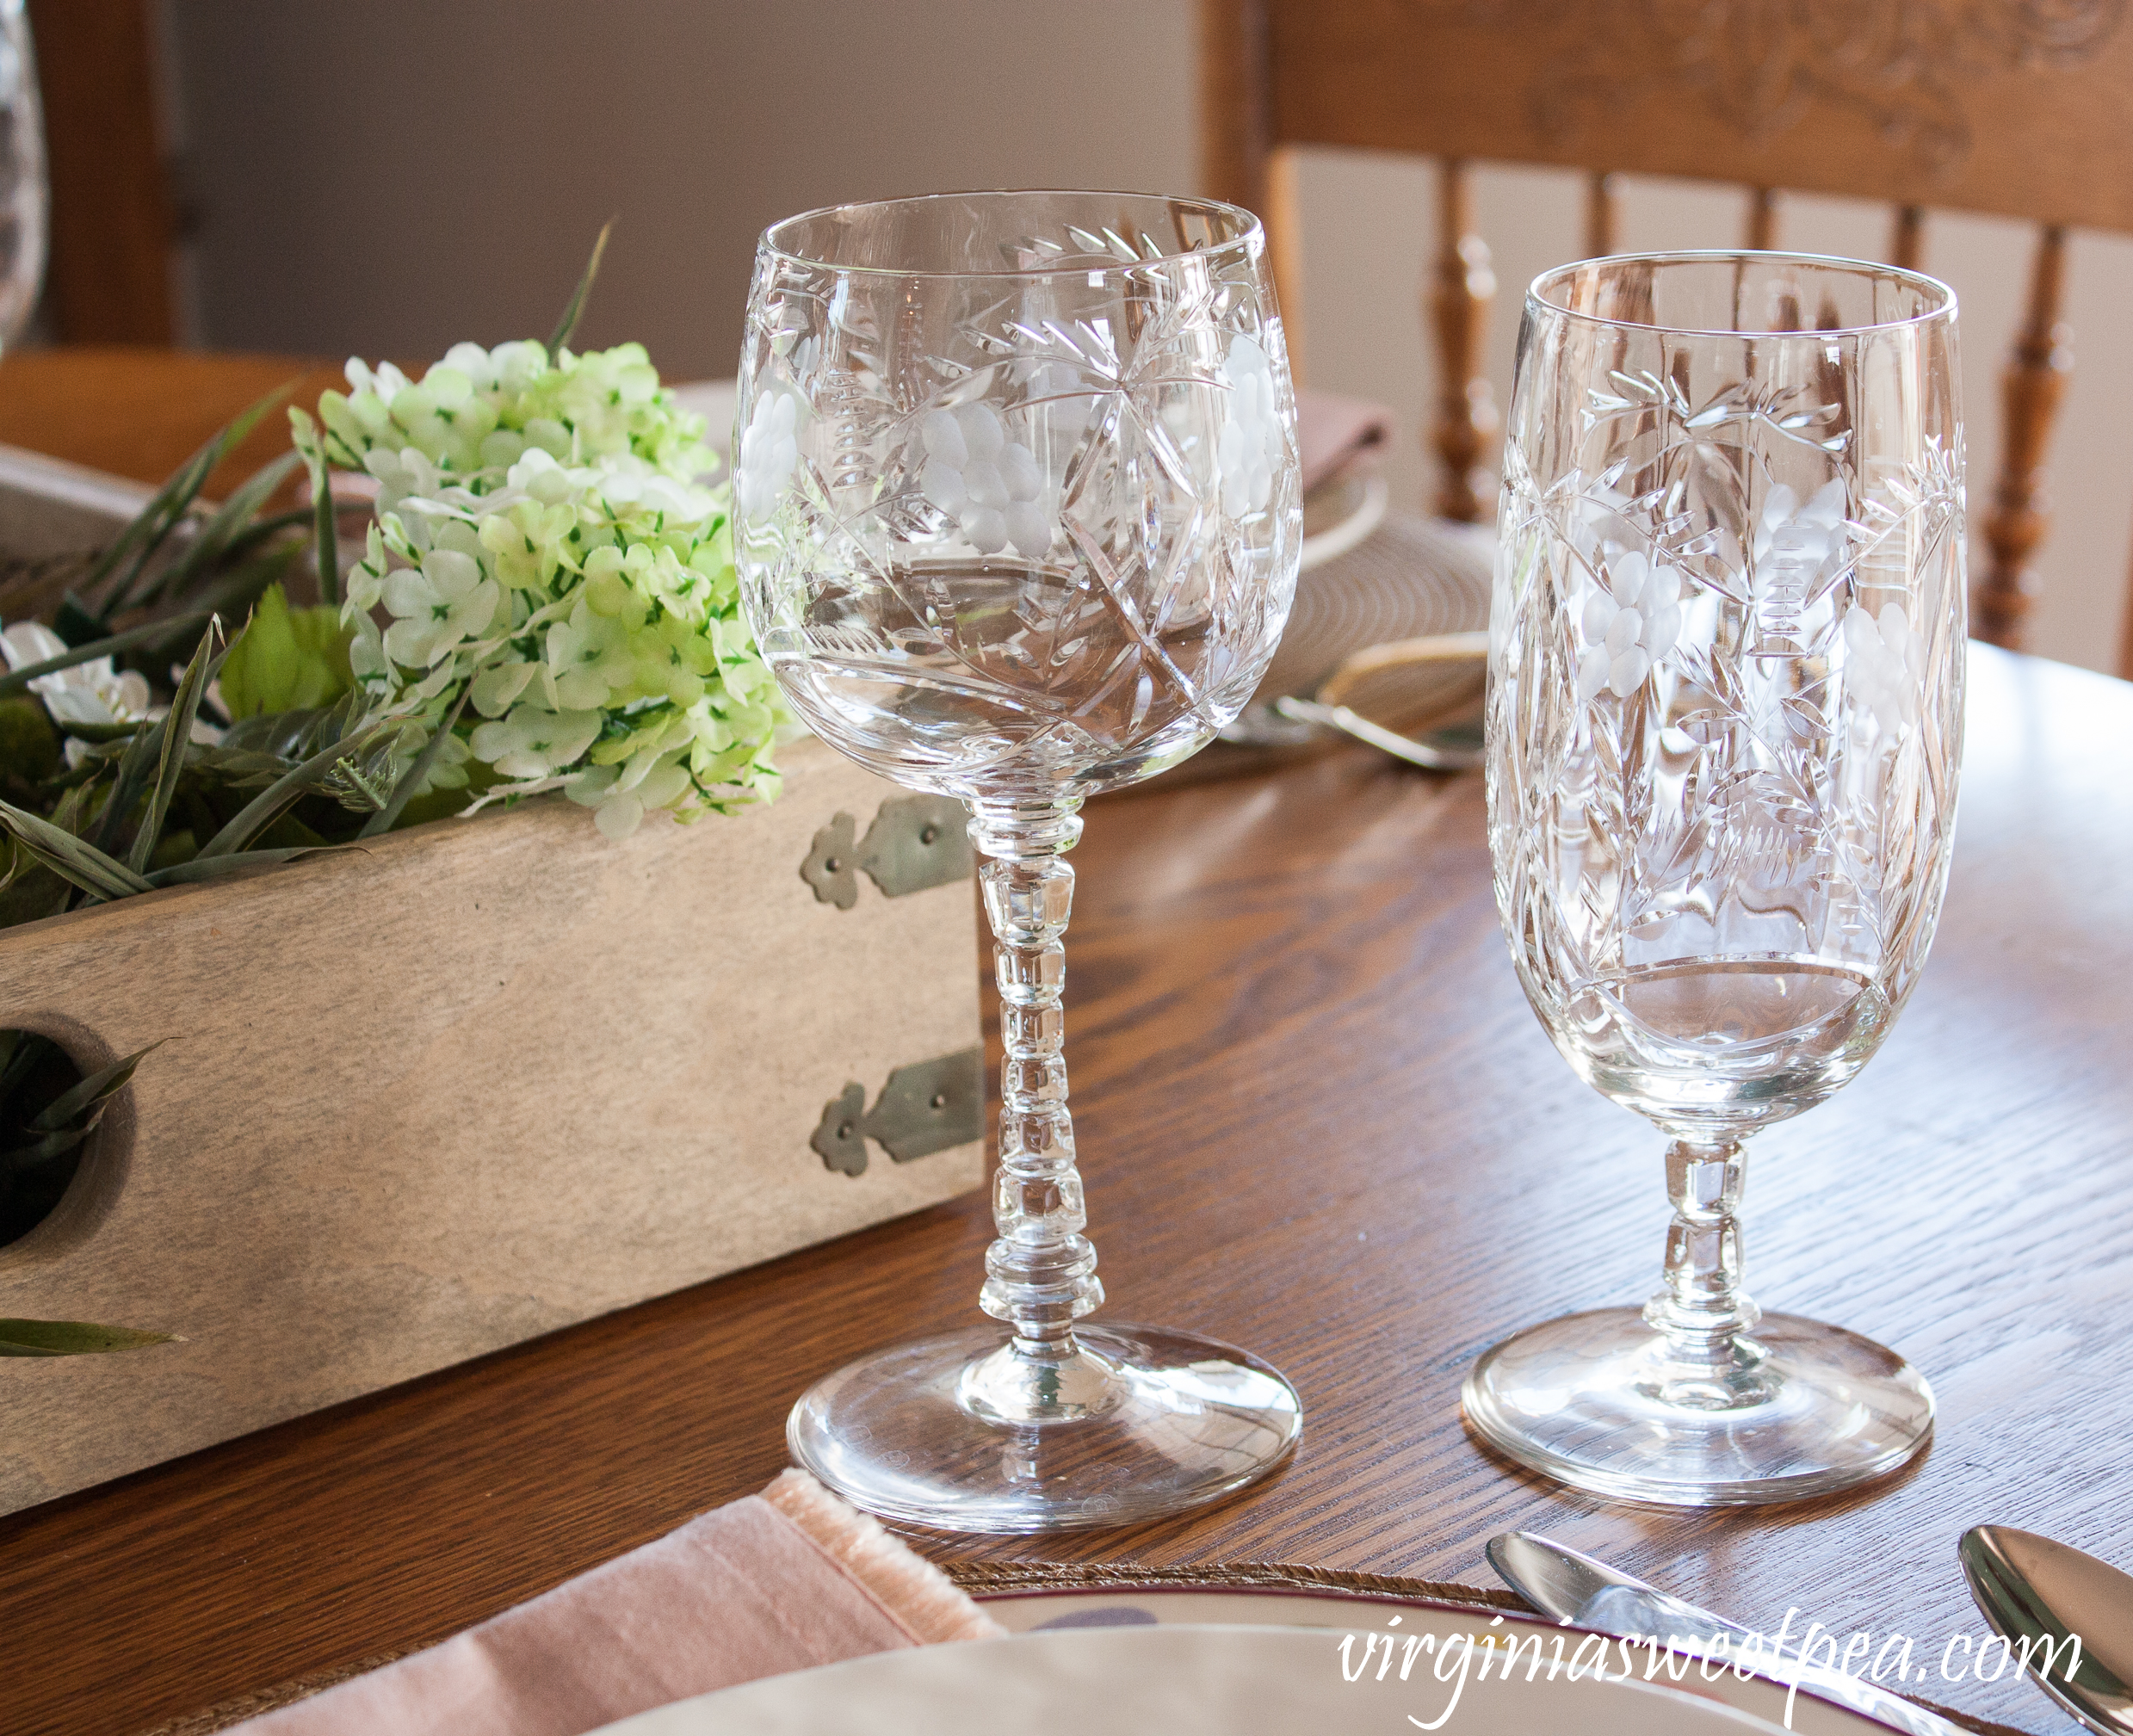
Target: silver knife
(1580, 1591)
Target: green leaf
(30, 750)
(568, 325)
(387, 817)
(207, 867)
(177, 729)
(97, 734)
(72, 1338)
(53, 1145)
(70, 857)
(261, 812)
(91, 1090)
(286, 659)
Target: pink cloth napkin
(783, 1580)
(1333, 432)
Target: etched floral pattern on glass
(1019, 523)
(1725, 723)
(1029, 534)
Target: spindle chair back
(2015, 109)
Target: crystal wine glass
(1724, 722)
(1017, 518)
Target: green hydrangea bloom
(546, 541)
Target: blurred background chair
(114, 221)
(2015, 110)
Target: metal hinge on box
(925, 1107)
(915, 842)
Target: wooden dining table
(1317, 1118)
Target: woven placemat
(1413, 578)
(994, 1578)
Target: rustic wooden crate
(473, 1082)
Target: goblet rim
(1250, 236)
(1537, 299)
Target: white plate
(1177, 1680)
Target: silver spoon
(2039, 1596)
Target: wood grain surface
(1318, 1120)
(465, 1085)
(139, 411)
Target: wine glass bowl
(1018, 515)
(1725, 720)
(1049, 513)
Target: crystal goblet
(1017, 518)
(1724, 725)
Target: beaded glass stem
(1725, 718)
(1017, 518)
(1040, 1276)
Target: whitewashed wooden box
(476, 1081)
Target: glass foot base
(1802, 1409)
(960, 1433)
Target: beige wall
(391, 176)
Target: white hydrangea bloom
(547, 540)
(534, 742)
(991, 485)
(440, 605)
(1249, 448)
(1629, 630)
(1885, 666)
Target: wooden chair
(2015, 110)
(113, 219)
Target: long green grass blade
(71, 858)
(145, 535)
(266, 807)
(91, 1090)
(72, 1338)
(387, 817)
(235, 515)
(566, 327)
(177, 729)
(147, 633)
(325, 533)
(207, 869)
(49, 1146)
(136, 766)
